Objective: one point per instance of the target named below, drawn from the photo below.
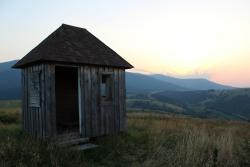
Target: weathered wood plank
(124, 101)
(42, 111)
(116, 113)
(82, 102)
(53, 99)
(90, 103)
(98, 99)
(47, 95)
(23, 99)
(88, 100)
(102, 120)
(121, 100)
(113, 126)
(38, 128)
(34, 109)
(29, 108)
(107, 113)
(43, 101)
(35, 121)
(117, 100)
(39, 108)
(26, 101)
(93, 102)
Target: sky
(183, 38)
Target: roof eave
(20, 65)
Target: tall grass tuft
(195, 142)
(10, 116)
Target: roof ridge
(71, 26)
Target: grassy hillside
(152, 140)
(229, 104)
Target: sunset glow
(184, 38)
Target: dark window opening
(106, 87)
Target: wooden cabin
(73, 83)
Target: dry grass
(150, 141)
(194, 142)
(10, 116)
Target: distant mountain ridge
(10, 83)
(193, 83)
(140, 83)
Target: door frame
(79, 91)
(79, 98)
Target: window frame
(109, 87)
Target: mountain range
(141, 83)
(10, 83)
(192, 84)
(157, 92)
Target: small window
(106, 87)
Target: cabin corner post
(124, 100)
(123, 120)
(120, 100)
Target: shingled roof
(70, 44)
